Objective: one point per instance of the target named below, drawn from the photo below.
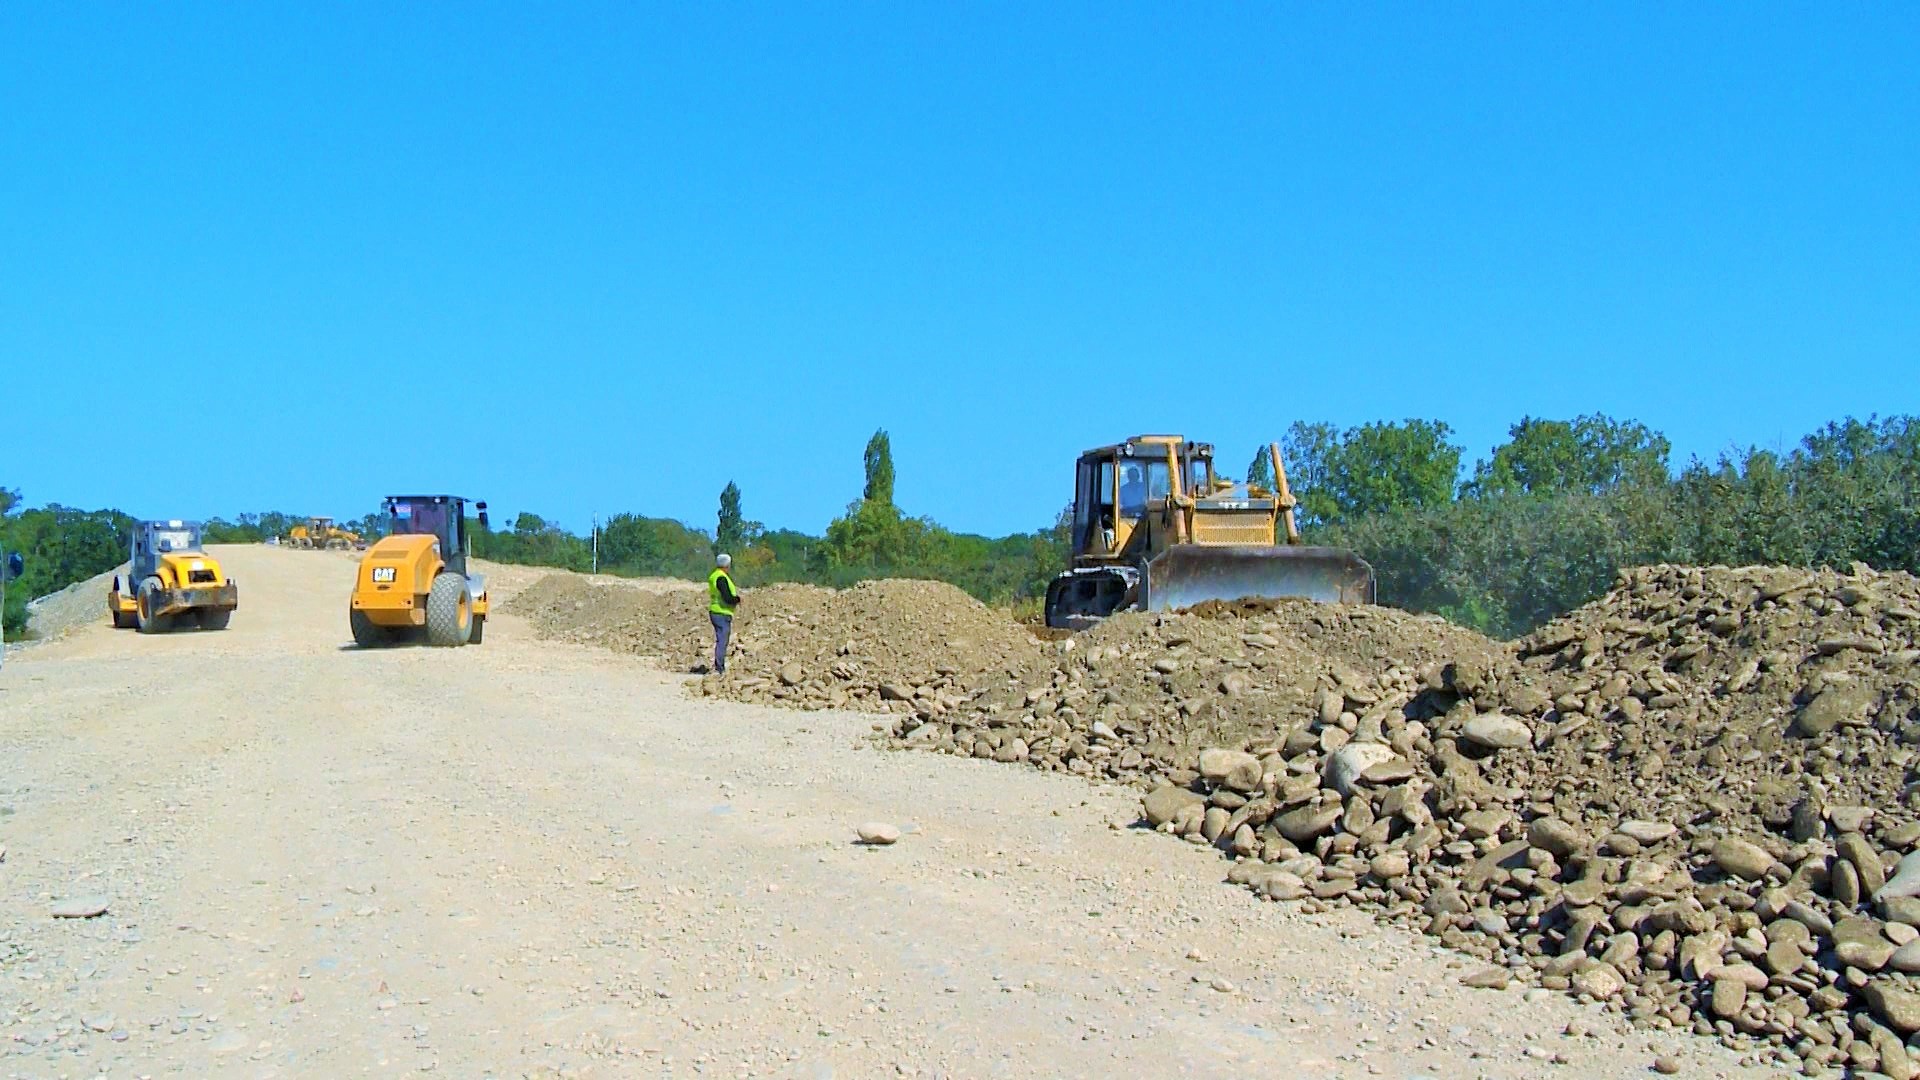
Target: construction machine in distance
(1155, 530)
(414, 583)
(171, 582)
(322, 533)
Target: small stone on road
(878, 833)
(80, 907)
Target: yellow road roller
(413, 584)
(171, 582)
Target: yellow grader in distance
(1155, 530)
(414, 583)
(171, 580)
(322, 533)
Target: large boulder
(1494, 731)
(1166, 802)
(1236, 769)
(1742, 859)
(1347, 764)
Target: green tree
(1306, 452)
(245, 528)
(1847, 493)
(795, 554)
(532, 541)
(1260, 470)
(732, 532)
(633, 544)
(61, 545)
(879, 466)
(1382, 467)
(1504, 564)
(1593, 454)
(371, 526)
(875, 535)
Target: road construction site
(264, 851)
(1691, 799)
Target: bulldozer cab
(1122, 492)
(152, 539)
(443, 517)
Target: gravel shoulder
(82, 603)
(543, 859)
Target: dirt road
(531, 859)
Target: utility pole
(596, 543)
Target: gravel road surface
(530, 859)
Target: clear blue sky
(577, 259)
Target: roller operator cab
(414, 583)
(171, 582)
(1155, 529)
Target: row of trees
(629, 543)
(1414, 464)
(873, 538)
(1540, 526)
(61, 546)
(1545, 523)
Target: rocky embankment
(1691, 799)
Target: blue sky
(596, 258)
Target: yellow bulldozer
(1154, 529)
(171, 582)
(321, 533)
(413, 583)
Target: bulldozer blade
(1191, 574)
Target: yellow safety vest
(714, 604)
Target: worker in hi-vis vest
(722, 598)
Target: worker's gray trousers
(722, 630)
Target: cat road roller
(413, 584)
(171, 582)
(1155, 530)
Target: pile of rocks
(84, 603)
(1135, 698)
(1692, 798)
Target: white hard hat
(723, 560)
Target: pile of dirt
(921, 648)
(1692, 799)
(913, 647)
(668, 624)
